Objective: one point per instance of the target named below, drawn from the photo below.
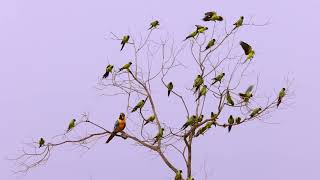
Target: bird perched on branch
(190, 122)
(154, 24)
(178, 175)
(248, 51)
(158, 136)
(197, 83)
(71, 125)
(124, 41)
(282, 93)
(247, 95)
(203, 91)
(255, 112)
(139, 105)
(108, 70)
(170, 87)
(150, 119)
(118, 127)
(230, 122)
(229, 98)
(41, 142)
(239, 22)
(218, 78)
(126, 66)
(210, 44)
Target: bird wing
(246, 47)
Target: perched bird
(108, 70)
(230, 122)
(124, 41)
(255, 112)
(191, 121)
(139, 105)
(41, 142)
(218, 78)
(178, 175)
(214, 117)
(192, 35)
(200, 118)
(210, 44)
(282, 93)
(247, 95)
(238, 120)
(229, 98)
(154, 24)
(150, 119)
(197, 82)
(201, 29)
(126, 66)
(170, 87)
(71, 125)
(158, 136)
(247, 50)
(118, 127)
(204, 129)
(239, 22)
(203, 91)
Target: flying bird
(247, 50)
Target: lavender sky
(53, 52)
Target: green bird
(178, 175)
(255, 112)
(138, 106)
(124, 41)
(154, 24)
(282, 93)
(247, 50)
(200, 118)
(170, 87)
(216, 18)
(41, 142)
(247, 95)
(203, 91)
(192, 35)
(229, 99)
(204, 129)
(218, 78)
(210, 44)
(150, 119)
(201, 29)
(108, 70)
(191, 121)
(238, 120)
(212, 16)
(71, 125)
(210, 13)
(230, 122)
(126, 66)
(197, 82)
(214, 117)
(158, 136)
(239, 22)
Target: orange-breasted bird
(118, 127)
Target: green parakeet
(41, 142)
(204, 129)
(126, 66)
(170, 87)
(154, 24)
(210, 44)
(218, 78)
(178, 175)
(214, 117)
(247, 95)
(238, 120)
(247, 50)
(282, 93)
(203, 91)
(108, 70)
(197, 83)
(191, 121)
(158, 136)
(150, 119)
(124, 41)
(230, 122)
(139, 105)
(255, 112)
(71, 125)
(201, 29)
(192, 35)
(239, 22)
(229, 98)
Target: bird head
(223, 73)
(74, 120)
(180, 171)
(251, 95)
(122, 116)
(242, 17)
(205, 86)
(130, 62)
(260, 109)
(283, 89)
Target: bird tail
(111, 137)
(279, 101)
(198, 98)
(120, 69)
(229, 128)
(184, 127)
(214, 82)
(105, 75)
(146, 122)
(134, 109)
(150, 27)
(122, 46)
(169, 93)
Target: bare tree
(154, 58)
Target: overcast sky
(52, 54)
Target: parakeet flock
(199, 88)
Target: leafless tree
(154, 58)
